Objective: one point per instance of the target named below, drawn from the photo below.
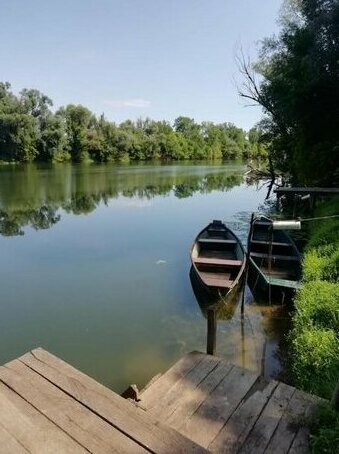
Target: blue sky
(136, 58)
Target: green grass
(316, 360)
(317, 306)
(315, 335)
(325, 431)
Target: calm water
(95, 266)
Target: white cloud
(134, 102)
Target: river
(94, 267)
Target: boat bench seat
(284, 283)
(214, 261)
(216, 240)
(274, 257)
(216, 229)
(274, 243)
(212, 282)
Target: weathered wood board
(48, 406)
(227, 409)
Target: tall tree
(299, 91)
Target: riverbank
(314, 337)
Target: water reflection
(107, 287)
(36, 196)
(224, 306)
(255, 339)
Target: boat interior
(273, 253)
(217, 256)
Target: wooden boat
(274, 268)
(218, 259)
(224, 306)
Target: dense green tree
(78, 121)
(53, 143)
(36, 104)
(299, 91)
(18, 137)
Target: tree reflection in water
(35, 196)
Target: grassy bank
(315, 334)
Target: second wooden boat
(218, 259)
(274, 269)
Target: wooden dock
(47, 406)
(202, 404)
(227, 409)
(304, 191)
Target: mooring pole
(211, 332)
(247, 265)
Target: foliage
(317, 306)
(315, 334)
(316, 360)
(30, 131)
(325, 431)
(299, 91)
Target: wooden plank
(274, 257)
(224, 276)
(215, 261)
(274, 243)
(152, 395)
(264, 428)
(167, 405)
(120, 413)
(233, 434)
(215, 282)
(283, 282)
(216, 241)
(190, 401)
(210, 417)
(314, 190)
(8, 444)
(294, 416)
(84, 426)
(301, 443)
(31, 430)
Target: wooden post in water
(211, 332)
(247, 256)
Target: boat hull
(263, 291)
(218, 259)
(274, 264)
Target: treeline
(30, 131)
(299, 91)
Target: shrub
(313, 266)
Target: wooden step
(274, 257)
(214, 261)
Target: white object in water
(286, 225)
